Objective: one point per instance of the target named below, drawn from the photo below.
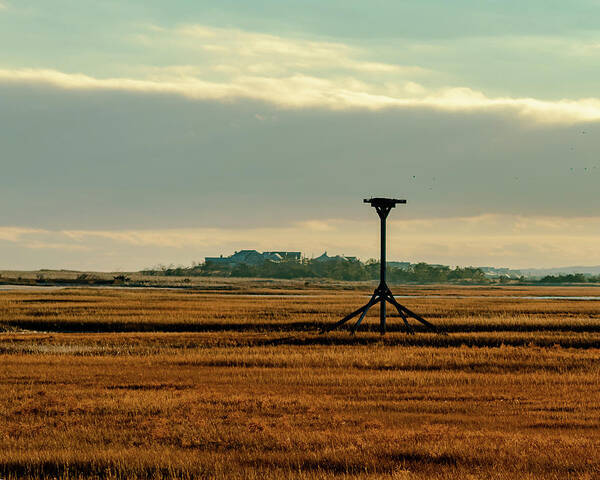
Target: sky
(141, 133)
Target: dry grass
(177, 384)
(137, 279)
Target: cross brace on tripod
(382, 293)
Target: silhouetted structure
(382, 293)
(253, 257)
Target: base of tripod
(383, 295)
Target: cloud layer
(98, 159)
(230, 64)
(301, 91)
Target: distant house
(327, 258)
(286, 255)
(248, 257)
(500, 272)
(253, 257)
(272, 256)
(218, 260)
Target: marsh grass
(512, 392)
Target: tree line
(570, 278)
(336, 269)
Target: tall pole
(382, 267)
(382, 293)
(382, 256)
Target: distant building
(286, 255)
(253, 257)
(326, 258)
(218, 260)
(272, 256)
(400, 265)
(500, 272)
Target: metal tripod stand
(382, 293)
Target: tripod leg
(382, 316)
(417, 317)
(372, 302)
(409, 328)
(346, 318)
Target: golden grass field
(189, 383)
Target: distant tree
(565, 278)
(243, 270)
(335, 268)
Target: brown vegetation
(182, 384)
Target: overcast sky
(145, 132)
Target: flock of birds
(573, 170)
(583, 169)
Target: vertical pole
(382, 255)
(382, 266)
